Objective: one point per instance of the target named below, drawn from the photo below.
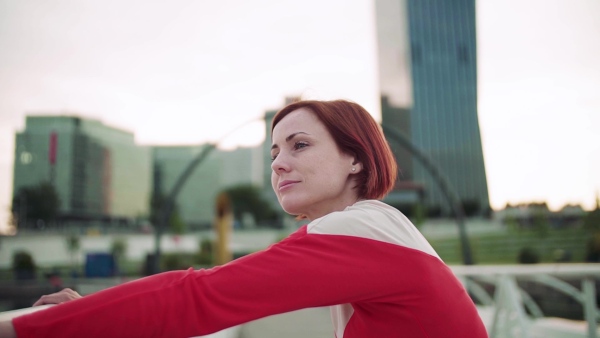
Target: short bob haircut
(356, 133)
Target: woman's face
(311, 176)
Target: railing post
(509, 316)
(589, 306)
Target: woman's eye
(300, 145)
(273, 157)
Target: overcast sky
(189, 71)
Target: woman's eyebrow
(287, 139)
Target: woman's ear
(356, 167)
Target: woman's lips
(286, 184)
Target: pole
(167, 208)
(449, 194)
(223, 225)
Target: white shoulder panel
(374, 220)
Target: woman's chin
(291, 208)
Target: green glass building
(99, 172)
(428, 82)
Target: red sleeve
(304, 270)
(289, 275)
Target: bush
(204, 256)
(528, 256)
(23, 265)
(175, 261)
(592, 250)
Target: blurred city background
(130, 129)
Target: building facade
(219, 170)
(98, 171)
(428, 83)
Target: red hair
(356, 133)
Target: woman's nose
(279, 164)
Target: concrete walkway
(313, 323)
(316, 323)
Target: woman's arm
(7, 330)
(185, 303)
(301, 271)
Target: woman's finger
(62, 296)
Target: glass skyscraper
(428, 73)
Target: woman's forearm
(7, 330)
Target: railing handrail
(556, 269)
(509, 300)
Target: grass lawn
(568, 245)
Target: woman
(363, 258)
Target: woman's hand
(61, 296)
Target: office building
(428, 84)
(98, 171)
(219, 170)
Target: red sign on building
(52, 149)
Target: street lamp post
(443, 184)
(167, 208)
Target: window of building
(463, 54)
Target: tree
(528, 255)
(118, 248)
(512, 223)
(591, 221)
(36, 203)
(176, 224)
(420, 214)
(248, 199)
(73, 244)
(23, 265)
(541, 224)
(471, 207)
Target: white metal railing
(510, 304)
(232, 332)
